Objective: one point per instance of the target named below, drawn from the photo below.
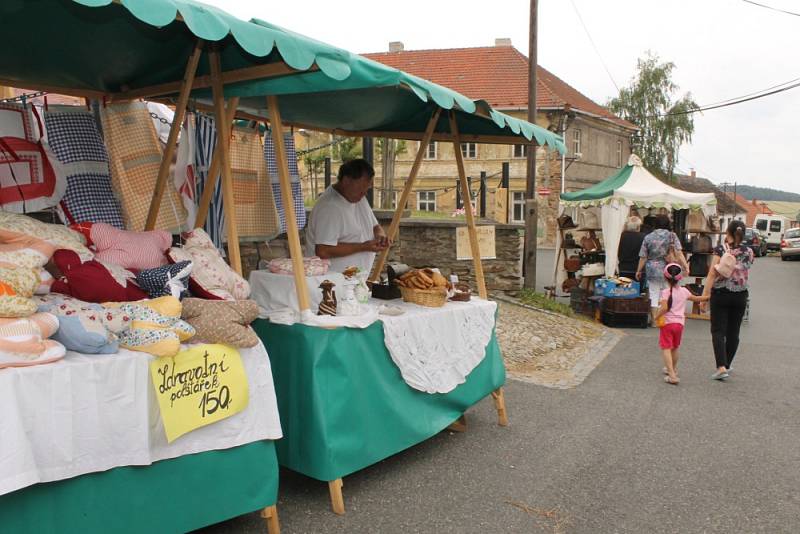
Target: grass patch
(540, 300)
(418, 214)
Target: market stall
(633, 186)
(270, 75)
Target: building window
(430, 151)
(469, 150)
(619, 153)
(518, 206)
(426, 200)
(520, 151)
(576, 143)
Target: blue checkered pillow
(294, 175)
(89, 198)
(73, 136)
(76, 142)
(157, 281)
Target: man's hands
(375, 245)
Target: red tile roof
(497, 74)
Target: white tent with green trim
(632, 186)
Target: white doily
(436, 348)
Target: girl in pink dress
(670, 317)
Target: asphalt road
(623, 452)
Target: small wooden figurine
(328, 304)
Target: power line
(772, 8)
(585, 29)
(733, 102)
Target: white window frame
(469, 150)
(428, 202)
(619, 153)
(577, 141)
(520, 151)
(517, 201)
(431, 151)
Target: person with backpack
(671, 317)
(727, 286)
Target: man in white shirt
(342, 226)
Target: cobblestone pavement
(550, 349)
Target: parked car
(756, 241)
(790, 244)
(773, 226)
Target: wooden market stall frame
(220, 171)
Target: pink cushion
(131, 250)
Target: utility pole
(531, 211)
(368, 149)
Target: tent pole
(174, 130)
(292, 232)
(473, 233)
(213, 170)
(223, 135)
(401, 202)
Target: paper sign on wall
(199, 386)
(486, 243)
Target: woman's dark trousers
(727, 312)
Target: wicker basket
(433, 298)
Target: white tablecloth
(436, 348)
(89, 413)
(276, 292)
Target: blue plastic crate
(608, 288)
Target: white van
(772, 226)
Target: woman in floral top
(728, 298)
(653, 258)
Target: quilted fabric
(92, 281)
(222, 321)
(135, 155)
(156, 326)
(131, 250)
(256, 214)
(76, 142)
(31, 177)
(24, 342)
(211, 277)
(22, 250)
(313, 266)
(17, 285)
(294, 174)
(170, 279)
(56, 234)
(85, 327)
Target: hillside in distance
(751, 192)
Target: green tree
(346, 148)
(649, 102)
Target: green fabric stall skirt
(175, 495)
(343, 403)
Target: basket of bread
(425, 287)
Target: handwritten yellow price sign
(199, 386)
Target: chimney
(396, 46)
(693, 173)
(502, 41)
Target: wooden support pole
(213, 170)
(292, 232)
(270, 515)
(500, 405)
(223, 134)
(174, 130)
(337, 499)
(401, 202)
(459, 425)
(473, 233)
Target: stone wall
(432, 243)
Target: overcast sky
(721, 48)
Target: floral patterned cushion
(211, 277)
